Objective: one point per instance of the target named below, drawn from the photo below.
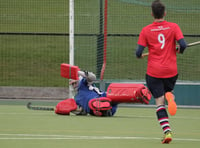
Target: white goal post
(71, 39)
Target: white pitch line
(176, 117)
(70, 137)
(130, 116)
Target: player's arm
(142, 43)
(180, 39)
(90, 76)
(75, 83)
(139, 51)
(182, 45)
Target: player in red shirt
(160, 37)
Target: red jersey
(160, 38)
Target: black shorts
(159, 86)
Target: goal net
(106, 32)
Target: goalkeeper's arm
(90, 77)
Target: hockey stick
(193, 44)
(29, 106)
(188, 45)
(45, 108)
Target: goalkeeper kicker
(91, 100)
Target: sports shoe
(167, 138)
(172, 107)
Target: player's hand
(178, 49)
(144, 55)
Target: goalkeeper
(89, 99)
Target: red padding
(128, 93)
(66, 106)
(69, 71)
(100, 104)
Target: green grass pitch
(29, 60)
(130, 127)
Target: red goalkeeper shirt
(160, 38)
